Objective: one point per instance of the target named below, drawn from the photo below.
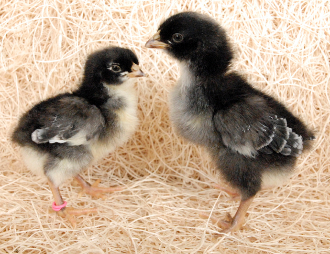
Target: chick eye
(177, 37)
(115, 68)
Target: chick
(252, 138)
(63, 135)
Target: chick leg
(67, 212)
(93, 189)
(235, 196)
(239, 217)
(232, 224)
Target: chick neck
(206, 73)
(93, 91)
(210, 61)
(101, 93)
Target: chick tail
(308, 140)
(297, 144)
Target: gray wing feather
(74, 121)
(249, 127)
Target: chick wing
(251, 127)
(70, 120)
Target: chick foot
(93, 189)
(69, 213)
(221, 223)
(59, 206)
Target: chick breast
(190, 112)
(120, 119)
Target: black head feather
(108, 64)
(197, 38)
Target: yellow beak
(136, 72)
(155, 42)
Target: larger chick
(253, 139)
(63, 135)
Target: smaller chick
(63, 135)
(254, 140)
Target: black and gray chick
(63, 135)
(253, 139)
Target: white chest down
(126, 121)
(192, 123)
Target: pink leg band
(57, 208)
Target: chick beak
(155, 42)
(136, 72)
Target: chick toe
(69, 213)
(94, 190)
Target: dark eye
(177, 37)
(115, 68)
